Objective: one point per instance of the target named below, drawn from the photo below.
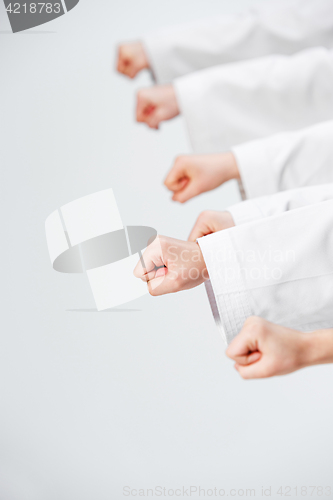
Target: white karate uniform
(275, 263)
(233, 103)
(228, 104)
(286, 160)
(281, 27)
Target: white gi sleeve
(235, 103)
(279, 268)
(286, 160)
(280, 27)
(267, 206)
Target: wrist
(173, 100)
(230, 163)
(144, 59)
(228, 220)
(317, 347)
(140, 55)
(202, 263)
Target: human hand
(156, 104)
(264, 349)
(195, 174)
(131, 59)
(169, 265)
(209, 222)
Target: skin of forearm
(318, 347)
(230, 165)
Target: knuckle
(140, 94)
(163, 240)
(180, 160)
(205, 214)
(152, 291)
(254, 324)
(151, 240)
(160, 242)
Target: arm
(235, 103)
(279, 268)
(281, 27)
(263, 349)
(265, 166)
(286, 160)
(278, 203)
(211, 221)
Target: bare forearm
(264, 349)
(228, 160)
(318, 347)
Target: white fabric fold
(267, 206)
(234, 103)
(283, 27)
(279, 267)
(286, 160)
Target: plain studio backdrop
(143, 395)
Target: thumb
(176, 177)
(125, 65)
(155, 116)
(150, 261)
(144, 107)
(200, 228)
(248, 359)
(190, 190)
(242, 345)
(257, 369)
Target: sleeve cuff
(226, 291)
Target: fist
(195, 174)
(156, 104)
(169, 265)
(263, 349)
(131, 59)
(209, 222)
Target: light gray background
(142, 395)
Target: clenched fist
(195, 174)
(156, 104)
(131, 59)
(169, 265)
(209, 222)
(263, 349)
